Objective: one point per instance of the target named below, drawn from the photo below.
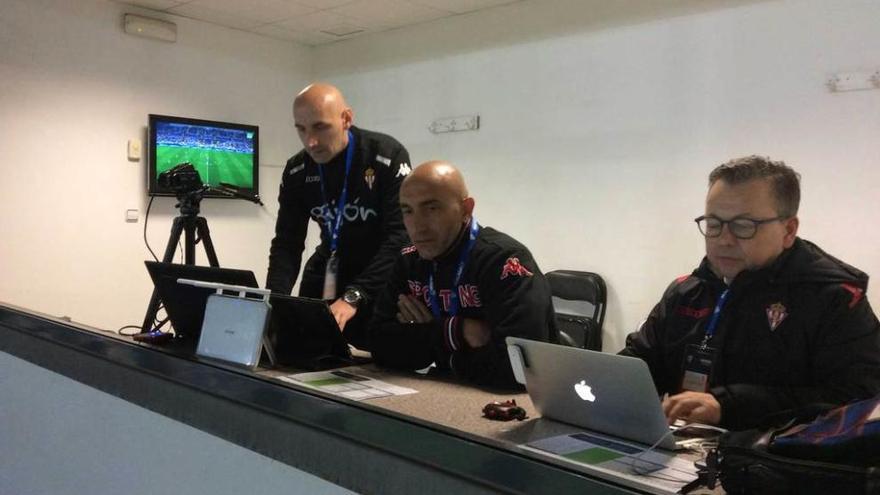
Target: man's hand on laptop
(343, 312)
(411, 310)
(692, 407)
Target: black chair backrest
(579, 300)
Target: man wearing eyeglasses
(768, 322)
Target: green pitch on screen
(214, 166)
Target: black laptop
(305, 335)
(302, 331)
(185, 304)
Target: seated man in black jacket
(768, 321)
(459, 290)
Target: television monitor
(221, 152)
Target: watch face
(352, 297)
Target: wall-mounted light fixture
(455, 124)
(853, 81)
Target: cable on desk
(638, 458)
(126, 334)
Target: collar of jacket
(746, 277)
(451, 255)
(338, 161)
(803, 262)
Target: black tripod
(190, 224)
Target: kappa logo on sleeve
(857, 294)
(408, 249)
(403, 170)
(512, 267)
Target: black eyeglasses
(741, 228)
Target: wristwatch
(353, 296)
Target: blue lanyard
(716, 315)
(334, 228)
(462, 260)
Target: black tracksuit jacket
(825, 348)
(372, 232)
(501, 285)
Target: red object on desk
(504, 411)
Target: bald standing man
(459, 289)
(347, 180)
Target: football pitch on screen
(214, 166)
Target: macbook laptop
(185, 304)
(602, 392)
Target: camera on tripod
(187, 185)
(182, 179)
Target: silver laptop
(234, 327)
(606, 393)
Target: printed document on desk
(654, 471)
(348, 385)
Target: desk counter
(435, 440)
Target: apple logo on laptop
(584, 391)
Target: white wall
(599, 128)
(73, 90)
(595, 146)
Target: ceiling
(316, 22)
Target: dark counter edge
(354, 447)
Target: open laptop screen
(185, 304)
(602, 392)
(304, 333)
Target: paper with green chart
(348, 385)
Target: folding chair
(579, 300)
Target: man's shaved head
(322, 119)
(436, 207)
(319, 94)
(441, 175)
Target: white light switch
(131, 215)
(134, 150)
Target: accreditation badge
(370, 177)
(697, 365)
(330, 275)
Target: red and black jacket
(501, 285)
(797, 332)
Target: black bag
(836, 453)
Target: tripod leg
(173, 239)
(153, 308)
(189, 242)
(205, 237)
